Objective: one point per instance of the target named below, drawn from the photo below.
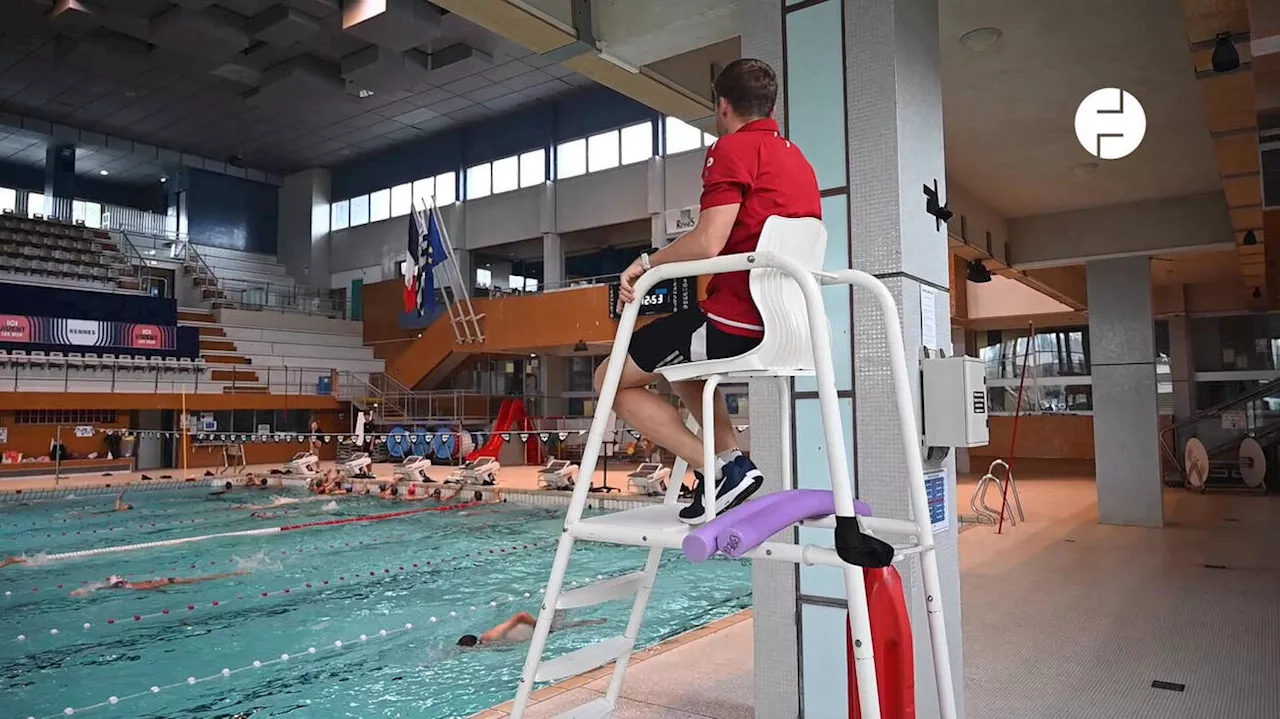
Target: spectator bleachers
(45, 249)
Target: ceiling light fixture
(981, 39)
(1225, 56)
(1250, 239)
(364, 93)
(163, 179)
(581, 346)
(104, 173)
(978, 272)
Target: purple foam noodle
(747, 526)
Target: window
(90, 213)
(340, 215)
(479, 181)
(35, 204)
(401, 199)
(530, 284)
(515, 282)
(379, 205)
(446, 188)
(484, 278)
(681, 136)
(424, 190)
(637, 143)
(8, 199)
(571, 159)
(506, 174)
(708, 139)
(533, 168)
(359, 210)
(602, 151)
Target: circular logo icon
(1110, 123)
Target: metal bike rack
(984, 513)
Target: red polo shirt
(766, 174)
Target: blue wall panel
(226, 211)
(542, 125)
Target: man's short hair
(468, 640)
(750, 86)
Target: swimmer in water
(13, 560)
(519, 629)
(121, 505)
(116, 581)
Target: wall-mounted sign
(25, 329)
(666, 297)
(84, 430)
(682, 220)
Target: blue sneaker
(740, 480)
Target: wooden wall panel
(33, 440)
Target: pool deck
(1063, 617)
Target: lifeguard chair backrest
(780, 300)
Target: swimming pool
(443, 574)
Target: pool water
(474, 568)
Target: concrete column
(1181, 367)
(1125, 419)
(59, 181)
(552, 260)
(863, 100)
(554, 382)
(303, 227)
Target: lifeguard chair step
(597, 709)
(584, 659)
(603, 591)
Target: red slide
(511, 417)
(891, 642)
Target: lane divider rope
(317, 585)
(250, 532)
(316, 650)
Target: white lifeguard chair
(785, 284)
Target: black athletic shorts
(685, 336)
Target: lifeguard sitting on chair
(751, 173)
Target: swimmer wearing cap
(116, 581)
(519, 629)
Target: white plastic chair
(786, 349)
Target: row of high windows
(595, 153)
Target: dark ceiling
(277, 84)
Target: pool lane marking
(315, 584)
(251, 532)
(332, 647)
(318, 547)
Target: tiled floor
(1063, 618)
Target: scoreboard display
(666, 297)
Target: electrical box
(955, 402)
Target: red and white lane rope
(250, 532)
(316, 650)
(234, 559)
(314, 585)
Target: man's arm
(707, 239)
(501, 630)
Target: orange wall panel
(33, 440)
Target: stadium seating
(43, 248)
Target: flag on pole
(425, 251)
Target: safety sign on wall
(84, 430)
(935, 488)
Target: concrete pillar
(1181, 367)
(863, 100)
(302, 227)
(1125, 419)
(59, 181)
(552, 260)
(554, 383)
